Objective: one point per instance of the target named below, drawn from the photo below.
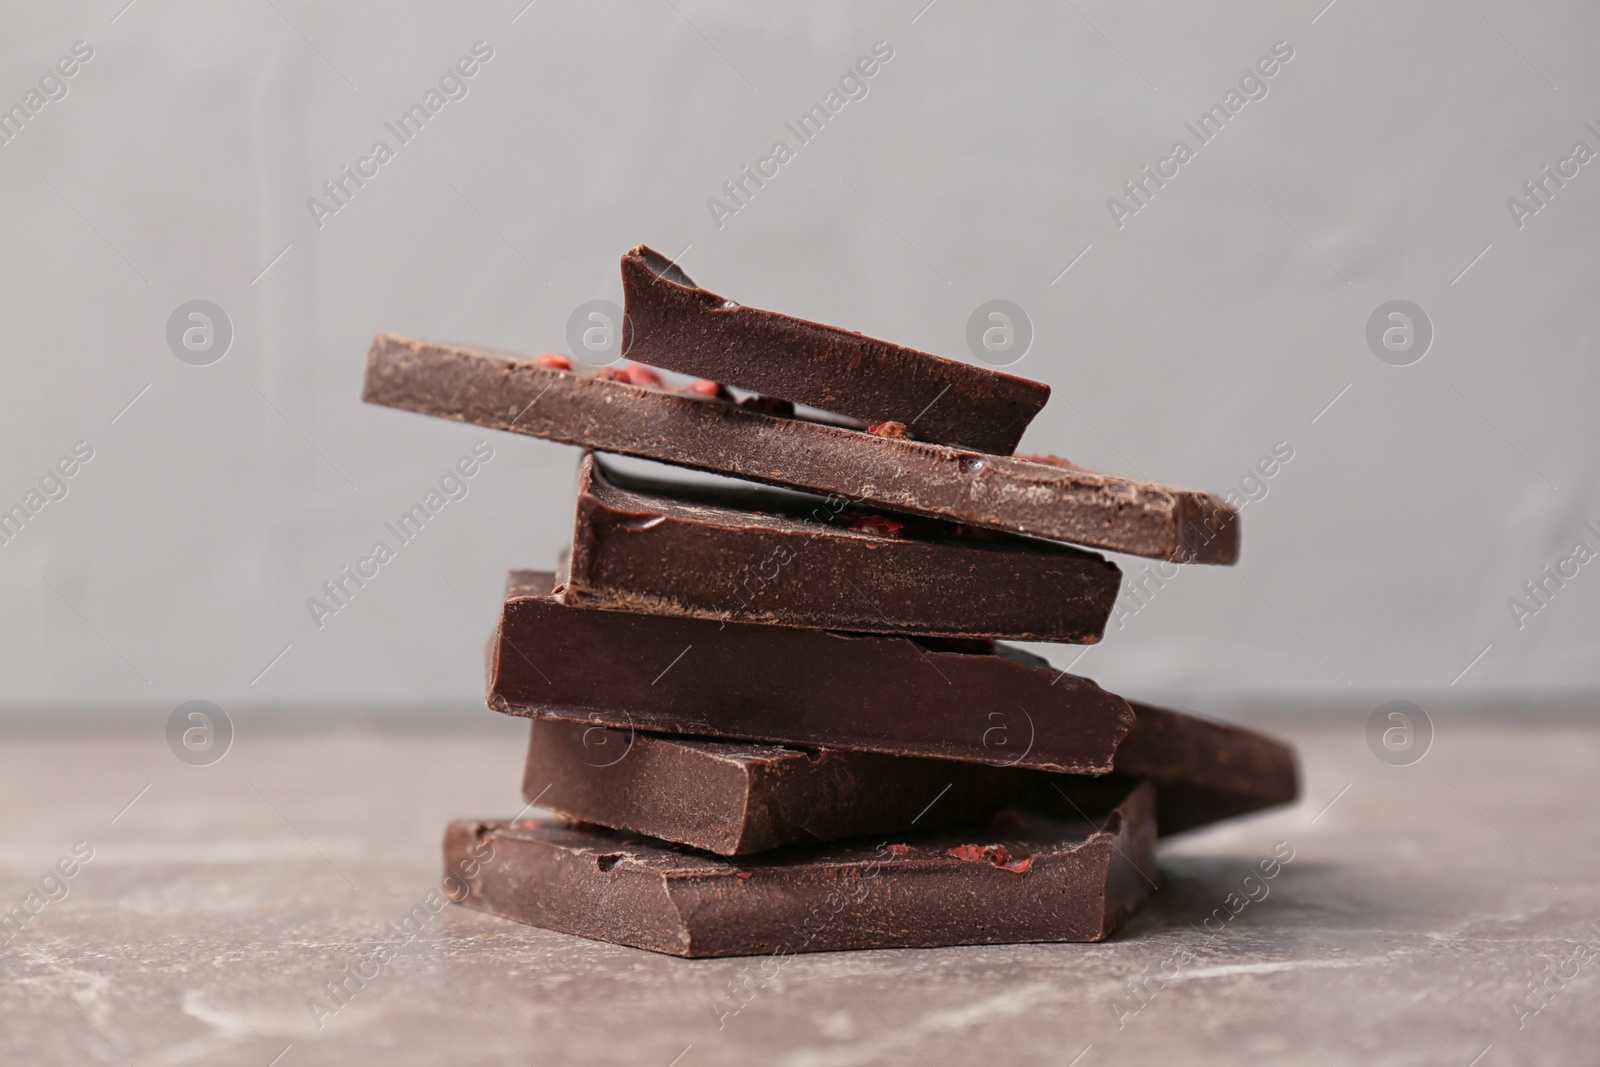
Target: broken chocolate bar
(671, 323)
(735, 797)
(773, 556)
(1028, 878)
(1207, 771)
(999, 492)
(753, 682)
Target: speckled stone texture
(1406, 928)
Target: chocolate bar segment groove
(1033, 879)
(742, 681)
(673, 324)
(771, 556)
(999, 492)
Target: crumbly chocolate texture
(751, 682)
(772, 556)
(999, 492)
(1027, 878)
(672, 323)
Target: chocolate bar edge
(1078, 588)
(692, 915)
(989, 409)
(1164, 521)
(1091, 753)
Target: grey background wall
(1184, 340)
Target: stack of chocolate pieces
(775, 718)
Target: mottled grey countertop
(1420, 903)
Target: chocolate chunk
(754, 682)
(670, 323)
(1029, 879)
(735, 797)
(999, 492)
(766, 555)
(1207, 770)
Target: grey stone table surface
(1436, 913)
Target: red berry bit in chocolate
(995, 856)
(898, 430)
(555, 360)
(709, 388)
(633, 374)
(899, 850)
(643, 376)
(745, 875)
(877, 524)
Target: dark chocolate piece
(773, 556)
(737, 797)
(1207, 770)
(1029, 879)
(1000, 492)
(753, 682)
(673, 324)
(734, 797)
